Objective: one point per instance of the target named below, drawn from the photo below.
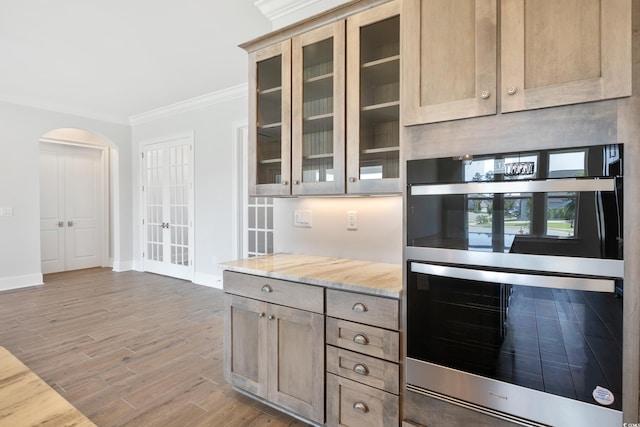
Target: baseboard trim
(17, 282)
(120, 266)
(209, 280)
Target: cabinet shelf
(318, 123)
(271, 90)
(271, 130)
(319, 156)
(387, 111)
(319, 87)
(269, 161)
(380, 150)
(384, 61)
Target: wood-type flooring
(130, 349)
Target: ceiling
(113, 59)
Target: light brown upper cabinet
(373, 101)
(318, 113)
(449, 59)
(270, 120)
(553, 52)
(558, 52)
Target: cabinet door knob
(352, 179)
(261, 315)
(271, 317)
(361, 407)
(361, 339)
(296, 182)
(485, 94)
(359, 307)
(69, 223)
(361, 369)
(266, 288)
(285, 182)
(512, 90)
(60, 224)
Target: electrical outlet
(352, 220)
(302, 219)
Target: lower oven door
(538, 347)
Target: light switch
(352, 220)
(6, 211)
(302, 219)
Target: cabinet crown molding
(277, 10)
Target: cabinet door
(296, 361)
(318, 91)
(558, 52)
(449, 59)
(373, 101)
(270, 120)
(245, 335)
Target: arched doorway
(76, 200)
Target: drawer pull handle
(266, 288)
(361, 369)
(361, 339)
(361, 407)
(359, 307)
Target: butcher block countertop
(26, 400)
(373, 278)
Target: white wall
(378, 238)
(20, 131)
(214, 146)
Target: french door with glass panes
(168, 207)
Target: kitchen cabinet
(552, 53)
(326, 108)
(270, 120)
(564, 52)
(363, 354)
(318, 127)
(373, 101)
(449, 59)
(274, 342)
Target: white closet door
(168, 208)
(71, 180)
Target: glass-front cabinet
(318, 113)
(270, 120)
(373, 101)
(325, 109)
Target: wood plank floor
(130, 349)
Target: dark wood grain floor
(130, 349)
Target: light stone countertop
(373, 278)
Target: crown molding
(277, 9)
(203, 101)
(61, 109)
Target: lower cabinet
(275, 352)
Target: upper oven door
(551, 203)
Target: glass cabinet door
(270, 121)
(373, 101)
(318, 88)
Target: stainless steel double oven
(514, 283)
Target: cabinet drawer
(291, 294)
(367, 309)
(370, 340)
(353, 404)
(364, 369)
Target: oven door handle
(536, 280)
(537, 186)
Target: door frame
(105, 177)
(190, 135)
